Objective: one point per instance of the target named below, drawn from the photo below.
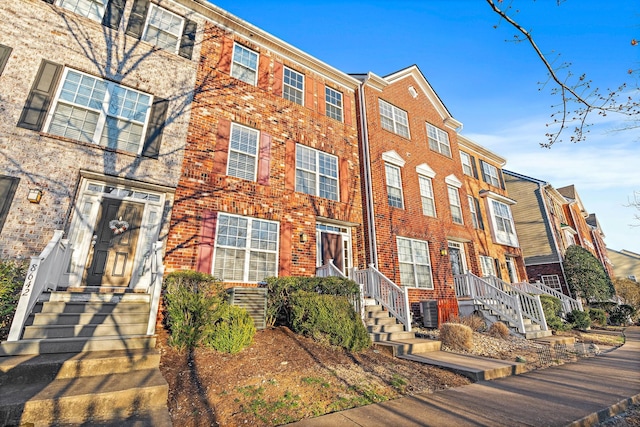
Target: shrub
(621, 314)
(586, 276)
(190, 299)
(231, 331)
(476, 323)
(598, 316)
(12, 275)
(279, 290)
(579, 319)
(499, 330)
(552, 308)
(328, 318)
(456, 336)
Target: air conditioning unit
(429, 310)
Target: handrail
(43, 274)
(328, 270)
(568, 304)
(155, 286)
(391, 296)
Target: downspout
(553, 235)
(368, 193)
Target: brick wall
(536, 272)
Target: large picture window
(415, 264)
(246, 249)
(243, 152)
(316, 173)
(93, 110)
(394, 119)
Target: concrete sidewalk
(578, 394)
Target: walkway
(571, 394)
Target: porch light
(304, 237)
(34, 195)
(443, 251)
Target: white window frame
(552, 281)
(290, 89)
(177, 34)
(252, 246)
(467, 168)
(487, 266)
(415, 262)
(239, 66)
(426, 196)
(345, 233)
(102, 110)
(394, 119)
(249, 175)
(474, 212)
(455, 205)
(334, 104)
(319, 157)
(94, 12)
(491, 173)
(504, 231)
(393, 176)
(438, 140)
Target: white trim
(424, 169)
(255, 155)
(284, 68)
(393, 158)
(490, 194)
(233, 63)
(146, 28)
(453, 180)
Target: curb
(604, 414)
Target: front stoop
(84, 359)
(388, 334)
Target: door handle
(94, 239)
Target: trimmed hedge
(552, 308)
(12, 274)
(231, 331)
(579, 319)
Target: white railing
(43, 274)
(155, 287)
(386, 293)
(330, 270)
(568, 304)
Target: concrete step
(85, 400)
(380, 321)
(90, 330)
(48, 367)
(87, 318)
(376, 314)
(91, 307)
(373, 307)
(473, 367)
(410, 345)
(531, 327)
(391, 336)
(95, 297)
(553, 340)
(537, 334)
(394, 327)
(75, 345)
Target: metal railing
(391, 296)
(512, 304)
(568, 304)
(155, 286)
(43, 274)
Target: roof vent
(413, 91)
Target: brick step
(48, 367)
(91, 307)
(88, 330)
(83, 401)
(76, 345)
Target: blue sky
(489, 83)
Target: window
(394, 186)
(293, 86)
(454, 203)
(394, 119)
(333, 99)
(474, 212)
(552, 281)
(245, 64)
(243, 152)
(246, 249)
(8, 186)
(93, 9)
(164, 29)
(415, 266)
(466, 163)
(438, 140)
(487, 266)
(504, 230)
(490, 174)
(92, 110)
(426, 194)
(5, 51)
(316, 173)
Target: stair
(84, 358)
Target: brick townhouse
(93, 98)
(270, 184)
(421, 226)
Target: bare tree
(579, 99)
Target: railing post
(543, 320)
(521, 325)
(407, 308)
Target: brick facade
(205, 189)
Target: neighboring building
(270, 185)
(421, 228)
(597, 236)
(626, 264)
(490, 206)
(93, 129)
